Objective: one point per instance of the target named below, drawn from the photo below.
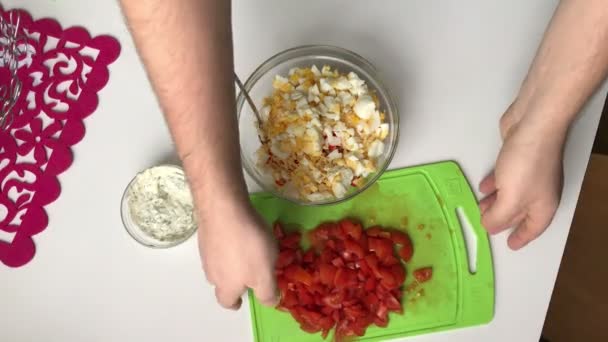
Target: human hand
(237, 253)
(525, 188)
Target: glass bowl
(259, 86)
(135, 231)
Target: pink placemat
(62, 72)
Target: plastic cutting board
(428, 202)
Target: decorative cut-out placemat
(62, 71)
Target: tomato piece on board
(377, 231)
(352, 229)
(297, 274)
(423, 274)
(399, 273)
(372, 262)
(334, 300)
(278, 231)
(354, 248)
(338, 262)
(400, 238)
(327, 274)
(309, 256)
(387, 278)
(285, 258)
(406, 253)
(344, 278)
(320, 235)
(381, 246)
(291, 240)
(390, 260)
(371, 302)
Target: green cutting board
(429, 202)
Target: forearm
(186, 47)
(570, 64)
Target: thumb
(500, 214)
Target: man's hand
(524, 190)
(572, 60)
(238, 255)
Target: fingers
(266, 291)
(500, 214)
(487, 202)
(488, 184)
(531, 228)
(229, 298)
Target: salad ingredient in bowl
(324, 132)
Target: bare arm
(186, 46)
(525, 189)
(571, 62)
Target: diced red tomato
(399, 273)
(377, 232)
(387, 279)
(382, 247)
(401, 238)
(354, 248)
(291, 240)
(423, 274)
(285, 258)
(338, 262)
(309, 256)
(372, 262)
(352, 229)
(298, 274)
(350, 279)
(405, 253)
(278, 231)
(370, 284)
(327, 274)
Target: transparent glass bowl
(135, 231)
(259, 86)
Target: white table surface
(454, 67)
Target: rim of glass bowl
(130, 226)
(335, 53)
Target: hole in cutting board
(470, 239)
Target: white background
(454, 66)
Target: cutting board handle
(473, 252)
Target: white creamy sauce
(160, 203)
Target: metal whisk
(13, 43)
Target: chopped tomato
(352, 229)
(350, 279)
(338, 262)
(370, 284)
(382, 247)
(309, 256)
(399, 273)
(298, 274)
(278, 231)
(327, 274)
(377, 232)
(285, 258)
(406, 252)
(354, 248)
(291, 240)
(423, 274)
(400, 238)
(372, 262)
(390, 261)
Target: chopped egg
(375, 149)
(325, 133)
(364, 107)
